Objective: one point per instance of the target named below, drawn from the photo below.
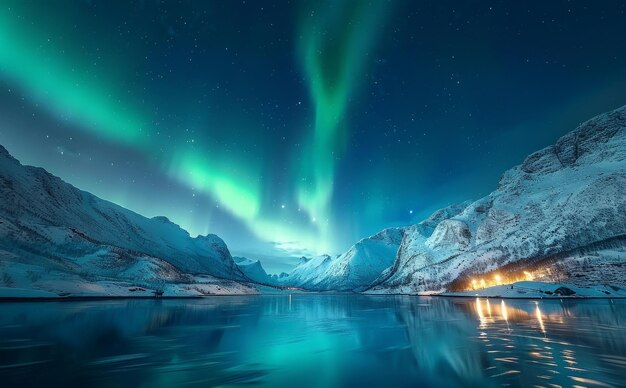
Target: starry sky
(295, 128)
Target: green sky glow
(335, 47)
(333, 54)
(54, 81)
(206, 174)
(76, 96)
(93, 104)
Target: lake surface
(314, 341)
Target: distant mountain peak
(253, 270)
(163, 219)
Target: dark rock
(564, 291)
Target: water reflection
(540, 319)
(314, 340)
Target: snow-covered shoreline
(72, 288)
(519, 290)
(542, 290)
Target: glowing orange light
(492, 278)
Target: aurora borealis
(336, 42)
(297, 128)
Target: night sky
(297, 128)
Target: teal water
(313, 341)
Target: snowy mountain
(353, 270)
(253, 270)
(560, 215)
(277, 277)
(52, 230)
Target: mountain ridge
(48, 224)
(562, 197)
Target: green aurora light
(335, 47)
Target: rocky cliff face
(561, 211)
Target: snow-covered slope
(253, 270)
(353, 270)
(561, 214)
(307, 271)
(50, 229)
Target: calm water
(314, 341)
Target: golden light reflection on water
(479, 311)
(540, 319)
(516, 336)
(488, 313)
